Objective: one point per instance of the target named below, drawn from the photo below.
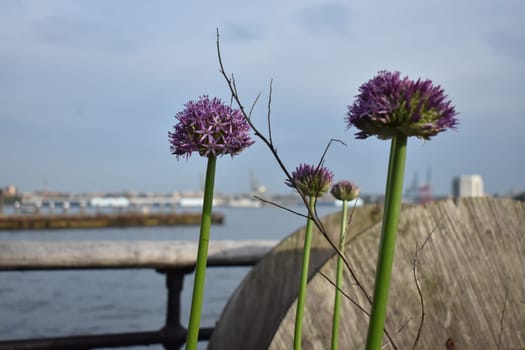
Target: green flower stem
(202, 257)
(394, 189)
(339, 279)
(297, 340)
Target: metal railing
(174, 259)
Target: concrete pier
(42, 222)
(44, 255)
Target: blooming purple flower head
(345, 190)
(209, 127)
(388, 106)
(311, 180)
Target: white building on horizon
(467, 186)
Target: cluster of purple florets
(345, 190)
(210, 128)
(311, 180)
(315, 181)
(388, 105)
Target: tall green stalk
(202, 257)
(393, 195)
(338, 281)
(297, 341)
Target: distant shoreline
(79, 221)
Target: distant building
(10, 191)
(467, 186)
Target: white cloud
(326, 19)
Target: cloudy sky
(88, 89)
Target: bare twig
(418, 285)
(280, 206)
(359, 307)
(356, 304)
(321, 161)
(268, 118)
(320, 225)
(269, 143)
(502, 317)
(235, 86)
(429, 236)
(404, 325)
(421, 299)
(253, 105)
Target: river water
(64, 303)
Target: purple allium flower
(388, 106)
(311, 180)
(345, 190)
(209, 127)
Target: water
(64, 303)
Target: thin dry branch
(404, 325)
(269, 143)
(355, 303)
(253, 105)
(321, 161)
(268, 117)
(500, 335)
(271, 146)
(418, 285)
(280, 206)
(359, 307)
(421, 299)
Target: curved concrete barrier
(256, 309)
(471, 268)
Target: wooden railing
(174, 259)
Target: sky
(89, 89)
